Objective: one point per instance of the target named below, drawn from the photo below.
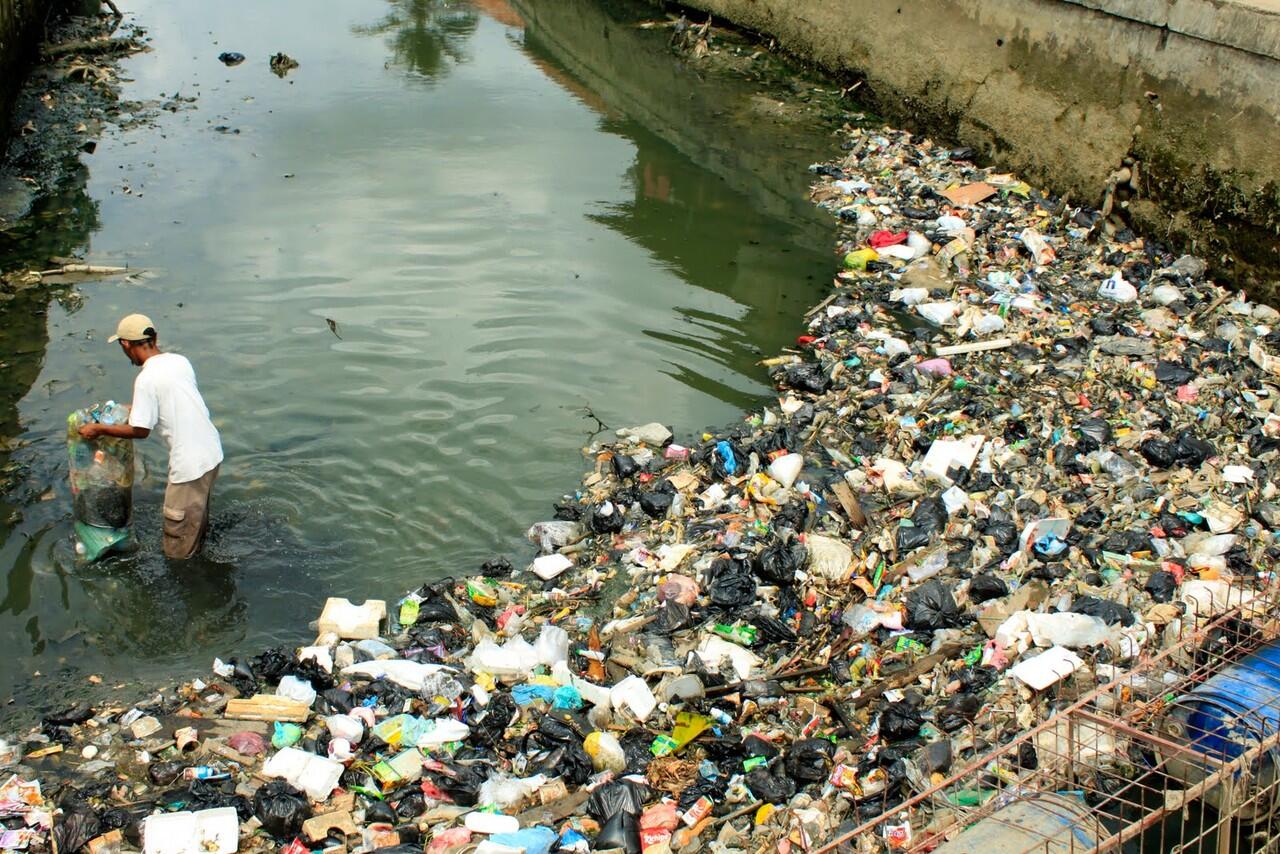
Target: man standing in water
(165, 397)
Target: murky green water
(503, 237)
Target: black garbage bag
(625, 467)
(703, 788)
(900, 721)
(1191, 449)
(636, 748)
(215, 794)
(567, 512)
(311, 671)
(607, 518)
(1104, 609)
(73, 830)
(959, 712)
(794, 515)
(569, 761)
(806, 376)
(1095, 430)
(379, 812)
(498, 567)
(984, 587)
(732, 584)
(931, 607)
(769, 788)
(779, 563)
(772, 630)
(165, 773)
(728, 459)
(281, 808)
(619, 796)
(1127, 542)
(1027, 757)
(809, 760)
(656, 505)
(753, 745)
(1160, 453)
(937, 755)
(461, 783)
(1173, 373)
(1161, 586)
(672, 617)
(1186, 449)
(271, 664)
(621, 830)
(927, 522)
(119, 818)
(338, 701)
(68, 717)
(769, 443)
(411, 806)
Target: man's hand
(90, 430)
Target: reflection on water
(499, 249)
(426, 36)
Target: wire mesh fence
(1171, 752)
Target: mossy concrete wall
(1064, 90)
(21, 28)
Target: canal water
(506, 224)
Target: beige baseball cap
(133, 328)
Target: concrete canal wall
(1064, 90)
(21, 28)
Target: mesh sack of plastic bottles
(101, 481)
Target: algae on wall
(21, 28)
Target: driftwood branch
(85, 46)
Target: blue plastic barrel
(1223, 717)
(1239, 704)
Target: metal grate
(1138, 764)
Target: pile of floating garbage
(1013, 449)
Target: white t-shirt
(165, 398)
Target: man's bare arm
(120, 431)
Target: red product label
(652, 836)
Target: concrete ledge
(1250, 25)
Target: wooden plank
(973, 347)
(849, 502)
(268, 707)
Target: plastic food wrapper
(101, 472)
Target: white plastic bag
(1117, 289)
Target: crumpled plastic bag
(807, 376)
(778, 563)
(731, 582)
(809, 760)
(927, 522)
(900, 721)
(768, 787)
(984, 587)
(281, 808)
(931, 606)
(1107, 611)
